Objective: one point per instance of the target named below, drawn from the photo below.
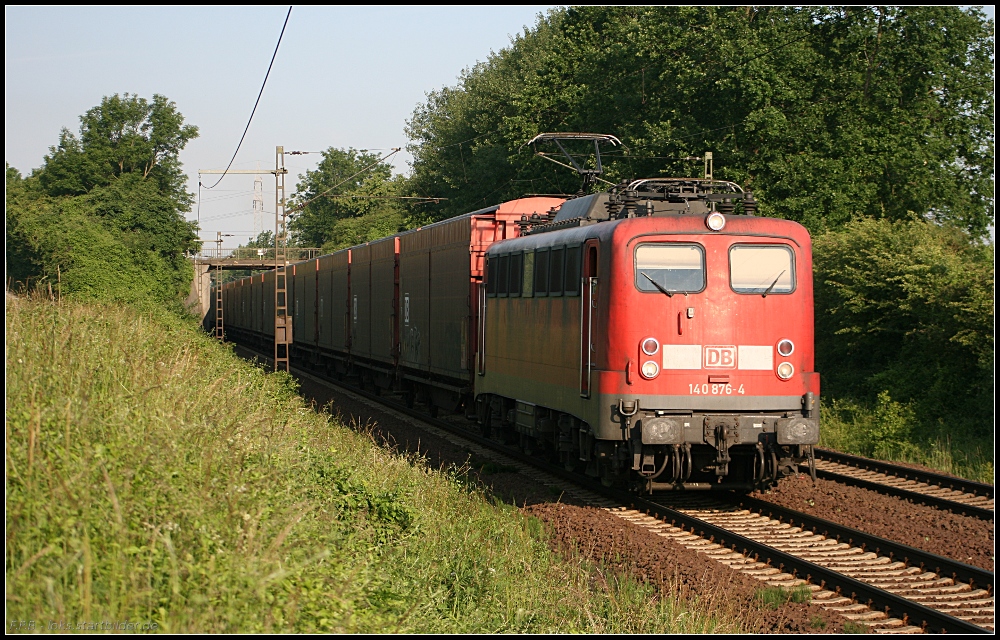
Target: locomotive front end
(658, 335)
(712, 316)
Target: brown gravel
(961, 538)
(603, 538)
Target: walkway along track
(887, 594)
(957, 495)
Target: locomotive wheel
(570, 462)
(483, 416)
(527, 444)
(608, 477)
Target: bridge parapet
(251, 257)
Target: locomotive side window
(503, 269)
(542, 272)
(670, 268)
(556, 272)
(514, 288)
(491, 276)
(572, 286)
(528, 281)
(761, 269)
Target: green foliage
(775, 597)
(103, 214)
(906, 308)
(828, 114)
(61, 241)
(154, 476)
(375, 225)
(348, 200)
(264, 240)
(892, 431)
(123, 135)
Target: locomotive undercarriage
(706, 451)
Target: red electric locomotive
(653, 337)
(647, 335)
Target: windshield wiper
(768, 290)
(657, 285)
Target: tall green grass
(891, 431)
(153, 476)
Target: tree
(349, 186)
(124, 135)
(105, 209)
(827, 114)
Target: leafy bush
(904, 310)
(891, 431)
(904, 341)
(62, 241)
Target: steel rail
(896, 551)
(876, 598)
(928, 477)
(934, 479)
(899, 492)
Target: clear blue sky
(344, 76)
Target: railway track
(887, 586)
(954, 494)
(872, 565)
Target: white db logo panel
(720, 357)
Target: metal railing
(294, 254)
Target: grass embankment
(153, 476)
(890, 431)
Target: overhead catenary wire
(264, 84)
(348, 195)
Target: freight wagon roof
(520, 206)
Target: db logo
(720, 357)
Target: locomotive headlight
(650, 346)
(785, 370)
(650, 369)
(715, 221)
(785, 348)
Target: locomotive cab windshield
(670, 268)
(761, 269)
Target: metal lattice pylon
(258, 205)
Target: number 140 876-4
(706, 389)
